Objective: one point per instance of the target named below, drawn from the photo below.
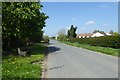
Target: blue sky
(87, 16)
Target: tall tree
(72, 32)
(62, 35)
(111, 32)
(62, 31)
(102, 32)
(95, 31)
(21, 21)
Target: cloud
(90, 22)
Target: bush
(105, 41)
(62, 37)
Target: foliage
(72, 32)
(105, 41)
(53, 37)
(22, 21)
(102, 32)
(62, 31)
(62, 37)
(24, 67)
(111, 32)
(116, 34)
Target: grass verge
(24, 67)
(105, 50)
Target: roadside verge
(105, 50)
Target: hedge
(105, 41)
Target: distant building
(85, 35)
(97, 34)
(108, 34)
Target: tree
(62, 31)
(72, 32)
(96, 31)
(62, 35)
(116, 34)
(102, 32)
(53, 37)
(111, 32)
(21, 21)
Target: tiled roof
(85, 34)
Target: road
(66, 61)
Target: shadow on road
(53, 49)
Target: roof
(85, 34)
(90, 34)
(108, 34)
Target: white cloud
(90, 22)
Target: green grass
(24, 67)
(105, 50)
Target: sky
(87, 16)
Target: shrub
(105, 41)
(62, 37)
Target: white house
(97, 34)
(85, 35)
(108, 34)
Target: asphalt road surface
(66, 61)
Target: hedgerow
(105, 41)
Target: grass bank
(24, 67)
(105, 50)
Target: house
(97, 34)
(86, 35)
(108, 34)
